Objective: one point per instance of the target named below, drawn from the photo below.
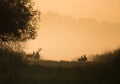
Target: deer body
(34, 56)
(30, 56)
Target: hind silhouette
(30, 56)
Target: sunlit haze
(108, 10)
(71, 28)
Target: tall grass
(108, 57)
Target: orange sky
(108, 10)
(70, 28)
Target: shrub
(10, 59)
(113, 57)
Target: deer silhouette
(83, 58)
(30, 56)
(37, 55)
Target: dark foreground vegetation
(15, 70)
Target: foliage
(18, 19)
(11, 63)
(113, 57)
(10, 59)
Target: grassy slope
(89, 73)
(50, 72)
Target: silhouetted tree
(18, 20)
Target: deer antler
(39, 49)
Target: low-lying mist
(64, 38)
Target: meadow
(104, 69)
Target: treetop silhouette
(18, 20)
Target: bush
(10, 60)
(113, 57)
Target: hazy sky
(70, 28)
(108, 10)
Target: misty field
(103, 70)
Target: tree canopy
(18, 20)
